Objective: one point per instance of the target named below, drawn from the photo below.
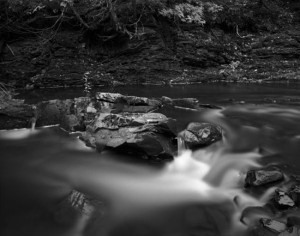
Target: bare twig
(10, 49)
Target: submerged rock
(151, 134)
(262, 177)
(73, 207)
(273, 225)
(200, 134)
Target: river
(199, 193)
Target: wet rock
(293, 231)
(200, 134)
(262, 177)
(149, 134)
(116, 103)
(283, 200)
(273, 225)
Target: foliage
(250, 15)
(107, 18)
(185, 12)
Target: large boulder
(150, 135)
(198, 135)
(70, 114)
(116, 103)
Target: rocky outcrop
(112, 120)
(149, 135)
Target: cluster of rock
(127, 124)
(279, 216)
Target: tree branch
(79, 17)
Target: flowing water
(199, 193)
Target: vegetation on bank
(108, 29)
(104, 20)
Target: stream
(198, 193)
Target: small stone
(90, 109)
(282, 199)
(262, 177)
(273, 225)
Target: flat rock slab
(116, 103)
(198, 135)
(262, 177)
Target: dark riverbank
(264, 48)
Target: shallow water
(199, 193)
